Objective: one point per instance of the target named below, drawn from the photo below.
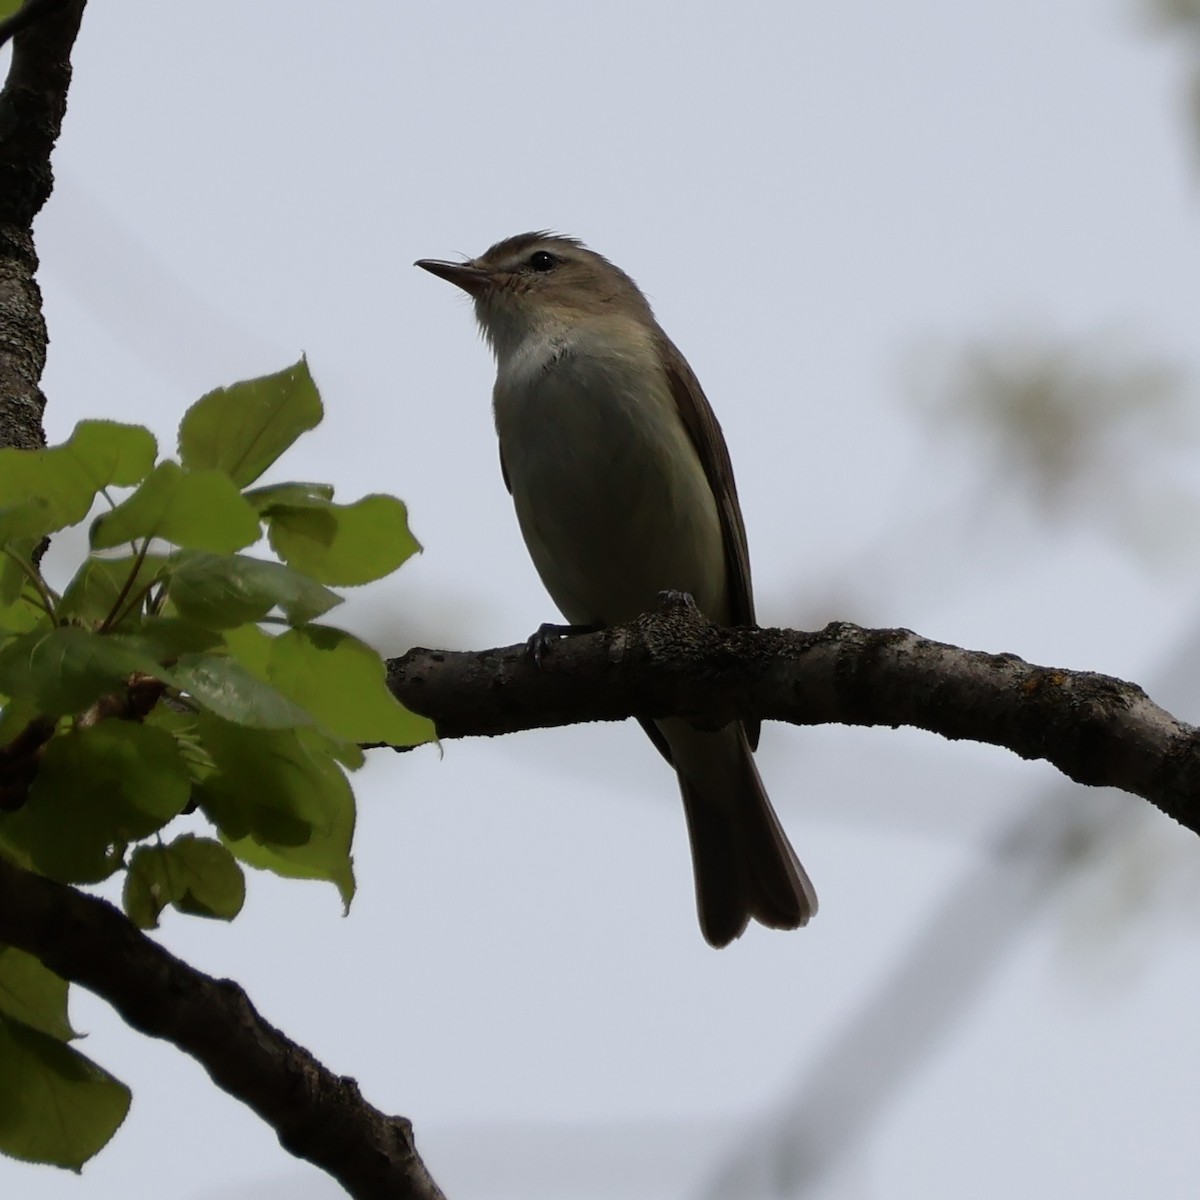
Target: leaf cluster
(175, 673)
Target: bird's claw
(548, 632)
(675, 599)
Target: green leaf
(343, 683)
(15, 716)
(8, 7)
(222, 591)
(98, 789)
(241, 430)
(66, 669)
(14, 557)
(33, 994)
(56, 1106)
(22, 615)
(197, 875)
(166, 638)
(200, 510)
(182, 727)
(16, 855)
(266, 498)
(343, 544)
(252, 648)
(30, 519)
(93, 591)
(280, 801)
(108, 453)
(226, 688)
(45, 490)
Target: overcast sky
(825, 204)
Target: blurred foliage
(1078, 429)
(1130, 891)
(1184, 13)
(151, 688)
(1181, 18)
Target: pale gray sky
(816, 198)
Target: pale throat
(520, 362)
(525, 349)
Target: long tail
(744, 865)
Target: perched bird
(624, 489)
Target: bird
(624, 489)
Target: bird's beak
(471, 279)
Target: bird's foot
(547, 633)
(673, 599)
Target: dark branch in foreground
(1096, 729)
(317, 1115)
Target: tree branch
(32, 106)
(317, 1115)
(1096, 729)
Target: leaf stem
(110, 620)
(141, 595)
(45, 598)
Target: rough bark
(1095, 729)
(32, 106)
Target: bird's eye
(542, 260)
